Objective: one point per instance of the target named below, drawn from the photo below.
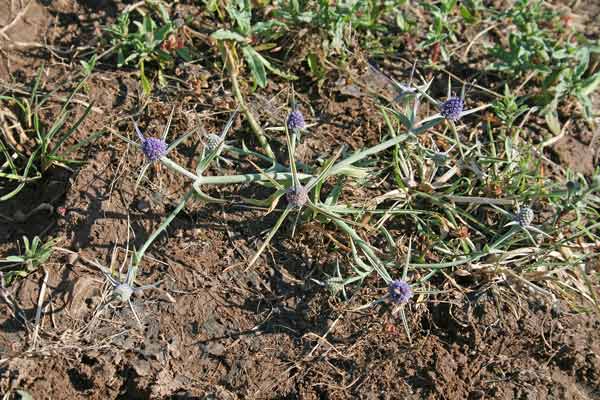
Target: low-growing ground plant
(35, 254)
(442, 30)
(154, 42)
(543, 48)
(29, 146)
(470, 204)
(251, 38)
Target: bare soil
(215, 329)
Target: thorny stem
(365, 153)
(139, 254)
(231, 179)
(258, 131)
(365, 248)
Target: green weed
(252, 38)
(35, 254)
(150, 42)
(45, 143)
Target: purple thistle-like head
(296, 120)
(154, 148)
(452, 108)
(296, 196)
(400, 291)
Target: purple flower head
(400, 291)
(296, 196)
(296, 120)
(153, 148)
(452, 108)
(525, 217)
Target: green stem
(504, 237)
(231, 179)
(365, 248)
(140, 253)
(274, 230)
(337, 168)
(258, 131)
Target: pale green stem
(274, 230)
(231, 179)
(337, 168)
(457, 139)
(140, 253)
(472, 258)
(258, 132)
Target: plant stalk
(258, 131)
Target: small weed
(539, 49)
(44, 144)
(252, 38)
(35, 254)
(442, 30)
(152, 42)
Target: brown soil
(216, 330)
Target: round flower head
(573, 187)
(452, 108)
(296, 196)
(122, 292)
(296, 120)
(440, 159)
(400, 291)
(213, 142)
(525, 217)
(154, 148)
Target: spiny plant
(43, 143)
(303, 189)
(470, 201)
(457, 205)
